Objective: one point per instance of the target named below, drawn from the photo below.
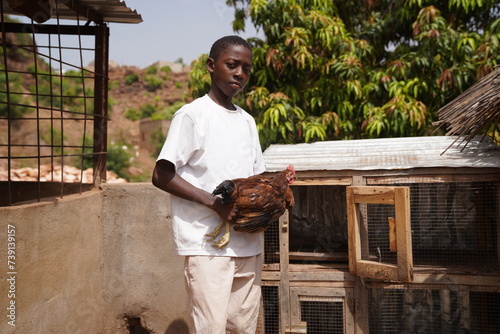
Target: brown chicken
(259, 201)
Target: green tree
(360, 69)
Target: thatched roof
(475, 109)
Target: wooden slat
(373, 195)
(284, 287)
(435, 178)
(325, 181)
(377, 270)
(392, 234)
(403, 234)
(442, 281)
(313, 256)
(320, 276)
(354, 244)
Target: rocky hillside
(131, 90)
(125, 96)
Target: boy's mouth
(235, 84)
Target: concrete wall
(143, 277)
(85, 263)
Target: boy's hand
(226, 212)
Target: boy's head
(223, 43)
(229, 64)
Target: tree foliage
(360, 69)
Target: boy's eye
(231, 65)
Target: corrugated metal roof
(107, 10)
(384, 153)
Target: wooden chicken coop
(386, 236)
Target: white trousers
(224, 293)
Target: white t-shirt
(209, 144)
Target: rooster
(258, 201)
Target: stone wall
(99, 262)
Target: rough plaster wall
(143, 278)
(59, 265)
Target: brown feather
(259, 201)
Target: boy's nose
(238, 72)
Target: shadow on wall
(178, 326)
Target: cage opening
(323, 317)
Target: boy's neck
(223, 101)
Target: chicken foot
(224, 240)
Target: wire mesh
(434, 310)
(453, 224)
(269, 321)
(272, 244)
(47, 104)
(322, 317)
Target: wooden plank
(443, 281)
(445, 311)
(392, 234)
(464, 307)
(271, 266)
(271, 276)
(434, 178)
(320, 276)
(403, 234)
(295, 314)
(314, 256)
(324, 284)
(377, 270)
(284, 287)
(349, 311)
(373, 195)
(354, 244)
(361, 306)
(319, 267)
(326, 181)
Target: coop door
(320, 310)
(379, 233)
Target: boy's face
(231, 70)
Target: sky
(172, 29)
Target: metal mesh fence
(50, 118)
(452, 225)
(434, 310)
(269, 321)
(322, 317)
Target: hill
(135, 96)
(140, 95)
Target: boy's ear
(210, 65)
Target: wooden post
(101, 103)
(361, 316)
(445, 311)
(284, 287)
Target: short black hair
(223, 43)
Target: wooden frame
(400, 225)
(323, 294)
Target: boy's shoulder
(195, 104)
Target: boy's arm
(166, 178)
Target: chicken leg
(224, 240)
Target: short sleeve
(181, 142)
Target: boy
(211, 140)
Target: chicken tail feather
(254, 226)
